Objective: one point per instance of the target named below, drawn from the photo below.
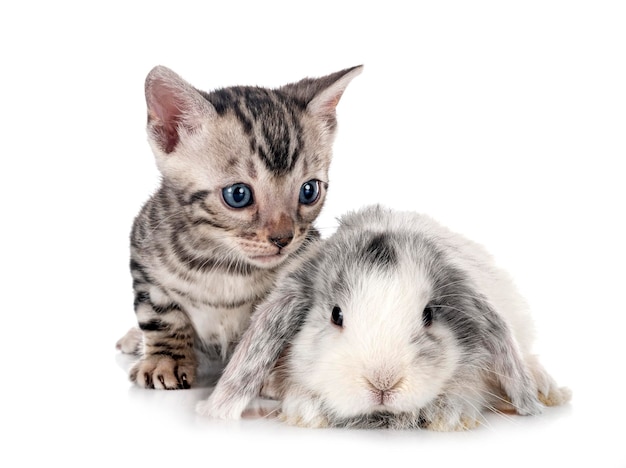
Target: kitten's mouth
(268, 260)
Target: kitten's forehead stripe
(245, 121)
(252, 172)
(269, 119)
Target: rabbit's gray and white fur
(432, 334)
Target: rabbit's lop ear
(507, 365)
(273, 325)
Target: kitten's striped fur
(198, 265)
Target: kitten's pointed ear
(173, 105)
(321, 95)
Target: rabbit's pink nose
(383, 389)
(383, 381)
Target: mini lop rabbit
(394, 321)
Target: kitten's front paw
(162, 372)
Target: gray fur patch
(380, 252)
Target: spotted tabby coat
(245, 173)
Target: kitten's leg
(131, 342)
(168, 358)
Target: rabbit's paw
(302, 413)
(555, 396)
(548, 392)
(449, 415)
(445, 423)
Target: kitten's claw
(148, 380)
(162, 372)
(184, 382)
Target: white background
(503, 120)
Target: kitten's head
(250, 164)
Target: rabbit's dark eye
(337, 316)
(427, 316)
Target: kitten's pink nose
(281, 242)
(280, 231)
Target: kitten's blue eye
(309, 192)
(237, 195)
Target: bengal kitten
(244, 176)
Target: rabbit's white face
(394, 321)
(373, 348)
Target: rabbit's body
(393, 321)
